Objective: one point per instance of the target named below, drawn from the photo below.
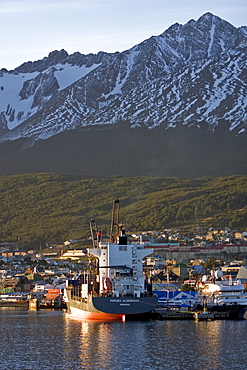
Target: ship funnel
(122, 238)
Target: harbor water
(54, 340)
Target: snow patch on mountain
(19, 105)
(14, 107)
(67, 74)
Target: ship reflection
(118, 345)
(212, 335)
(94, 339)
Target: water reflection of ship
(114, 288)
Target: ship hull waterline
(235, 312)
(110, 308)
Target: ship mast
(117, 233)
(94, 233)
(115, 227)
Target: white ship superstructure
(220, 294)
(114, 286)
(120, 268)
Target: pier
(173, 314)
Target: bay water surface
(54, 340)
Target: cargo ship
(114, 286)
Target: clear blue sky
(30, 29)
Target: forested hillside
(41, 208)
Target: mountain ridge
(191, 75)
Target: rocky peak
(189, 74)
(57, 56)
(41, 65)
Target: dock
(174, 314)
(21, 304)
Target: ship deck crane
(115, 226)
(117, 233)
(94, 233)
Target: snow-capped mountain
(191, 74)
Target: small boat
(113, 287)
(181, 300)
(218, 294)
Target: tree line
(40, 208)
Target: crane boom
(94, 233)
(115, 226)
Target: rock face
(192, 75)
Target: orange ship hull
(101, 316)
